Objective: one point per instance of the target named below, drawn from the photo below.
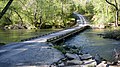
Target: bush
(113, 34)
(65, 49)
(60, 48)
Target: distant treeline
(54, 13)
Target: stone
(97, 58)
(113, 66)
(80, 53)
(72, 56)
(85, 56)
(102, 64)
(61, 65)
(74, 66)
(89, 63)
(74, 62)
(118, 62)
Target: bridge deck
(33, 52)
(53, 35)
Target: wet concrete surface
(29, 55)
(33, 52)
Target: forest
(40, 14)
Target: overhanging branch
(112, 4)
(5, 8)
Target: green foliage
(39, 13)
(68, 49)
(81, 10)
(103, 12)
(112, 34)
(55, 13)
(60, 48)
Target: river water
(88, 40)
(94, 44)
(9, 36)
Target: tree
(117, 10)
(6, 8)
(38, 13)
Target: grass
(112, 34)
(68, 49)
(60, 48)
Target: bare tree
(5, 8)
(117, 10)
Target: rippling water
(94, 44)
(89, 40)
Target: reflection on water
(94, 44)
(9, 36)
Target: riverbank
(75, 57)
(112, 34)
(94, 44)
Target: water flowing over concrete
(29, 54)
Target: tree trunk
(21, 23)
(35, 17)
(5, 8)
(41, 23)
(117, 11)
(117, 14)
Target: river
(88, 40)
(94, 44)
(9, 36)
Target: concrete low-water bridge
(37, 51)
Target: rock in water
(98, 59)
(89, 63)
(102, 64)
(74, 62)
(85, 56)
(72, 56)
(61, 65)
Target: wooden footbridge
(37, 50)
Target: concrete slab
(29, 55)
